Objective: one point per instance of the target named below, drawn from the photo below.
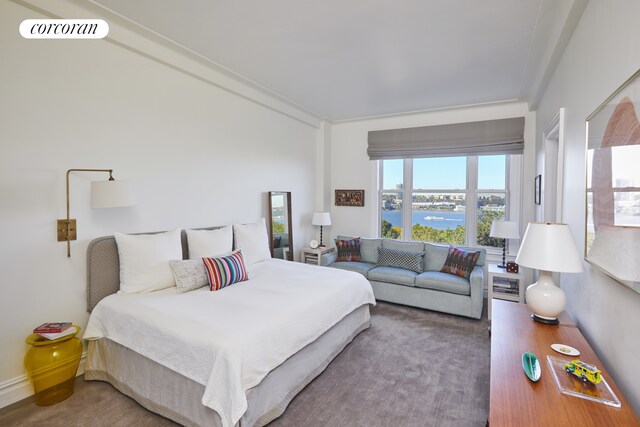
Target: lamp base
(502, 266)
(545, 320)
(545, 299)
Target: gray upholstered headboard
(103, 266)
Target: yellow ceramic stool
(52, 366)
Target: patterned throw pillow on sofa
(348, 250)
(460, 262)
(409, 260)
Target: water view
(440, 220)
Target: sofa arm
(476, 281)
(328, 258)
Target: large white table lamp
(548, 247)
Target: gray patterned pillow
(409, 260)
(189, 274)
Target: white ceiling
(345, 59)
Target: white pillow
(210, 243)
(144, 261)
(189, 274)
(253, 241)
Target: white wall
(352, 169)
(603, 52)
(197, 154)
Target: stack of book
(506, 288)
(53, 331)
(311, 258)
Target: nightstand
(503, 285)
(313, 256)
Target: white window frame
(512, 180)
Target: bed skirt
(178, 398)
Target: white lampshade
(505, 229)
(111, 194)
(549, 247)
(321, 218)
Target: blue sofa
(280, 242)
(431, 289)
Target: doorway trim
(553, 168)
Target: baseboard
(18, 388)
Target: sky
(447, 173)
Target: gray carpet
(411, 368)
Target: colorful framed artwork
(612, 226)
(349, 197)
(537, 190)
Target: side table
(313, 256)
(503, 285)
(52, 366)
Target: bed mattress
(176, 397)
(229, 341)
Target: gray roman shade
(502, 136)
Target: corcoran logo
(64, 29)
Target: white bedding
(231, 339)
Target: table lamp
(321, 218)
(504, 230)
(548, 247)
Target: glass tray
(574, 386)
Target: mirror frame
(609, 246)
(287, 194)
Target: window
(391, 199)
(453, 199)
(439, 199)
(491, 197)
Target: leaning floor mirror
(280, 230)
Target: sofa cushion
(359, 267)
(482, 253)
(403, 246)
(393, 275)
(368, 248)
(443, 282)
(434, 256)
(408, 260)
(460, 262)
(348, 250)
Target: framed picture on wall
(612, 226)
(349, 197)
(537, 190)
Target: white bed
(233, 357)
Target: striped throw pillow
(225, 271)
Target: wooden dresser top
(517, 401)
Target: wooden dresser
(516, 401)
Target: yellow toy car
(584, 370)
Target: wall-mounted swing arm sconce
(104, 194)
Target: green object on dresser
(531, 366)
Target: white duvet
(231, 339)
